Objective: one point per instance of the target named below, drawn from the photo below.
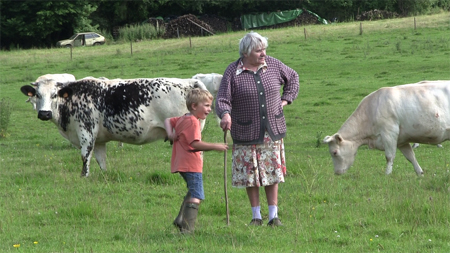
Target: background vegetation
(30, 23)
(46, 207)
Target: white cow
(57, 77)
(212, 83)
(92, 112)
(391, 118)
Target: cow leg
(410, 156)
(202, 124)
(86, 155)
(389, 163)
(100, 155)
(390, 148)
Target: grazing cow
(391, 118)
(211, 81)
(57, 77)
(92, 112)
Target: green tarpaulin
(267, 19)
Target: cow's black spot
(64, 119)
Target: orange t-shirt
(184, 156)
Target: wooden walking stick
(225, 177)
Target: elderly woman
(250, 105)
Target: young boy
(187, 159)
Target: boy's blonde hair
(196, 96)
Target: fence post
(414, 23)
(131, 47)
(178, 33)
(190, 42)
(304, 31)
(360, 29)
(71, 53)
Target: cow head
(43, 96)
(342, 152)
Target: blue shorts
(194, 183)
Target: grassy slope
(130, 207)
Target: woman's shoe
(256, 222)
(275, 222)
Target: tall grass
(107, 34)
(47, 207)
(140, 32)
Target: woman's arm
(291, 85)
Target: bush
(140, 32)
(108, 36)
(5, 113)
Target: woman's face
(257, 56)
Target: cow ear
(28, 90)
(338, 138)
(65, 92)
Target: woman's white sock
(256, 212)
(273, 212)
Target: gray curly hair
(251, 41)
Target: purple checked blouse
(254, 100)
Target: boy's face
(201, 109)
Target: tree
(414, 7)
(37, 23)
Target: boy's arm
(205, 146)
(169, 129)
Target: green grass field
(46, 207)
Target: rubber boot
(179, 219)
(189, 217)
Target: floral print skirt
(258, 165)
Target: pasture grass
(47, 207)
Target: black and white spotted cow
(92, 112)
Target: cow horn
(34, 83)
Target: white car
(82, 39)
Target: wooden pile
(186, 26)
(217, 23)
(376, 15)
(157, 23)
(236, 24)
